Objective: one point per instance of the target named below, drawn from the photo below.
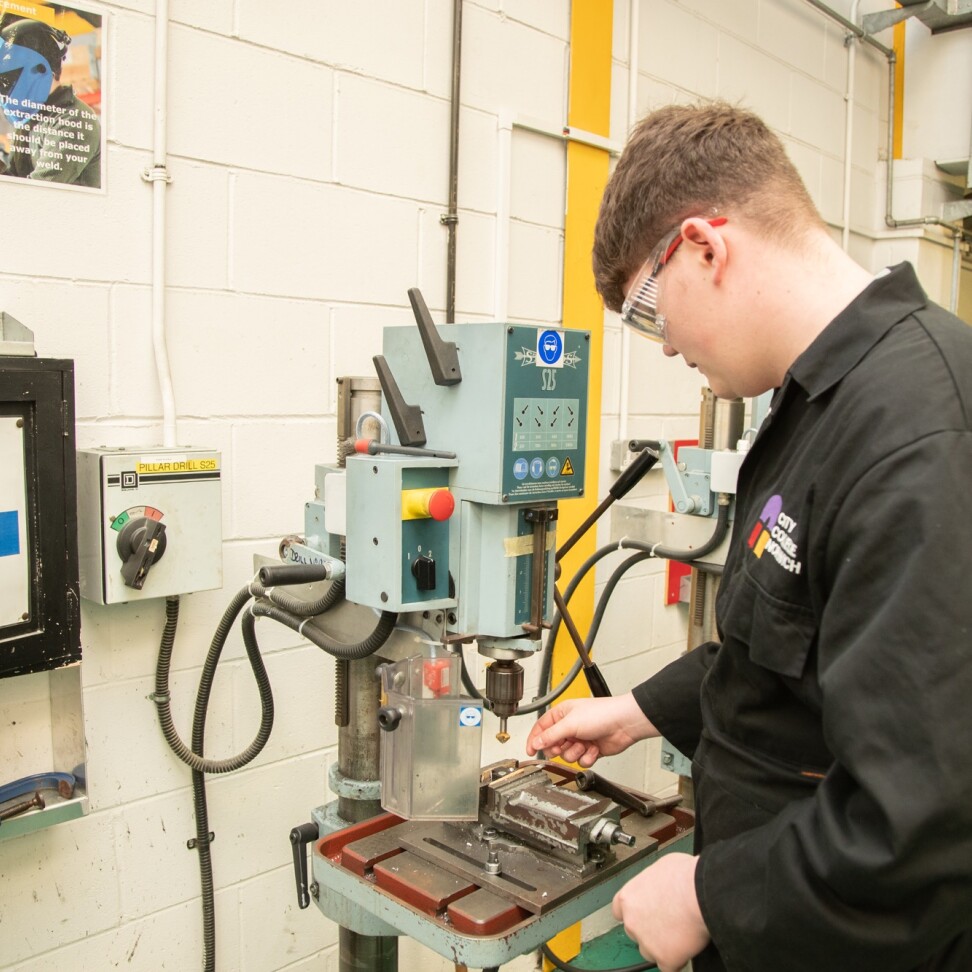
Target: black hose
(308, 609)
(193, 758)
(362, 649)
(645, 551)
(567, 967)
(686, 556)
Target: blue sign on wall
(9, 533)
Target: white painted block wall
(308, 150)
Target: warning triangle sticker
(568, 469)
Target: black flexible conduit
(307, 609)
(193, 757)
(368, 646)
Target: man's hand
(660, 911)
(581, 730)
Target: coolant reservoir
(430, 747)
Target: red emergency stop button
(441, 504)
(436, 503)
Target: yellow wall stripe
(589, 109)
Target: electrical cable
(567, 967)
(362, 649)
(308, 609)
(193, 757)
(645, 552)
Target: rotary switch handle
(140, 545)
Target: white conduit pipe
(159, 178)
(625, 378)
(849, 129)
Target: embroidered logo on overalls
(773, 535)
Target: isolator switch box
(149, 522)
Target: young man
(830, 729)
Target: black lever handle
(300, 837)
(284, 574)
(407, 418)
(443, 355)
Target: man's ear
(710, 243)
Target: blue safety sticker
(9, 533)
(470, 715)
(550, 349)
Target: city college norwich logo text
(773, 535)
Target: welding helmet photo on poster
(51, 96)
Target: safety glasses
(640, 308)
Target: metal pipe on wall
(451, 219)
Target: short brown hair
(687, 160)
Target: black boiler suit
(831, 729)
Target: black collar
(888, 299)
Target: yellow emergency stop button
(436, 503)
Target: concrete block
(302, 680)
(548, 18)
(116, 234)
(739, 17)
(167, 940)
(478, 160)
(817, 115)
(867, 139)
(654, 93)
(198, 226)
(391, 140)
(253, 811)
(531, 80)
(537, 179)
(660, 385)
(356, 336)
(536, 273)
(749, 77)
(619, 101)
(215, 16)
(275, 460)
(129, 107)
(387, 44)
(121, 720)
(297, 239)
(155, 870)
(795, 33)
(274, 937)
(274, 349)
(69, 320)
(666, 35)
(476, 265)
(436, 69)
(808, 161)
(281, 125)
(830, 200)
(68, 886)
